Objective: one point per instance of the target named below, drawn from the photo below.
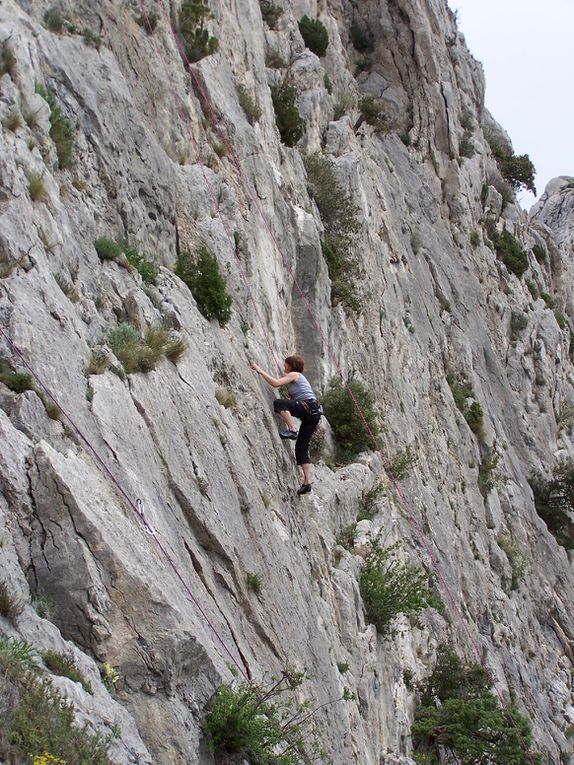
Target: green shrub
(539, 253)
(460, 718)
(339, 217)
(466, 145)
(486, 475)
(518, 321)
(346, 536)
(314, 35)
(54, 20)
(146, 269)
(517, 558)
(472, 411)
(352, 418)
(561, 320)
(390, 587)
(62, 131)
(17, 657)
(474, 238)
(270, 12)
(518, 171)
(248, 104)
(344, 103)
(554, 502)
(287, 117)
(369, 500)
(373, 113)
(363, 39)
(92, 39)
(197, 41)
(207, 285)
(18, 382)
(266, 724)
(402, 463)
(148, 21)
(12, 121)
(510, 252)
(343, 667)
(255, 583)
(62, 665)
(107, 249)
(405, 138)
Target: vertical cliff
(137, 500)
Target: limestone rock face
(137, 504)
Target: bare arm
(276, 382)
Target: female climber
(302, 404)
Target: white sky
(526, 49)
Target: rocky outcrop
(141, 511)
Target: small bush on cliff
(517, 170)
(61, 129)
(390, 587)
(351, 416)
(270, 12)
(197, 41)
(315, 35)
(36, 718)
(373, 113)
(339, 217)
(264, 723)
(554, 502)
(137, 353)
(472, 411)
(510, 252)
(107, 249)
(289, 122)
(62, 665)
(203, 277)
(363, 40)
(459, 717)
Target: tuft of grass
(18, 382)
(517, 558)
(37, 188)
(52, 410)
(249, 105)
(373, 113)
(175, 349)
(346, 537)
(63, 665)
(62, 131)
(344, 104)
(42, 606)
(107, 249)
(13, 120)
(255, 583)
(10, 606)
(54, 21)
(226, 398)
(98, 364)
(141, 354)
(7, 60)
(148, 21)
(92, 39)
(343, 666)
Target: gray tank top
(300, 390)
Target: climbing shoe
(289, 434)
(305, 488)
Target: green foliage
(287, 117)
(203, 277)
(457, 713)
(554, 501)
(314, 35)
(343, 666)
(548, 299)
(16, 657)
(561, 320)
(472, 411)
(10, 606)
(466, 145)
(390, 587)
(351, 416)
(107, 249)
(486, 474)
(328, 84)
(148, 21)
(539, 253)
(369, 501)
(363, 39)
(92, 39)
(518, 321)
(60, 664)
(339, 217)
(373, 113)
(518, 171)
(270, 12)
(402, 463)
(226, 398)
(62, 131)
(346, 536)
(255, 583)
(197, 41)
(54, 20)
(248, 104)
(510, 252)
(265, 724)
(517, 558)
(344, 103)
(474, 238)
(18, 382)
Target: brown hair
(296, 363)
